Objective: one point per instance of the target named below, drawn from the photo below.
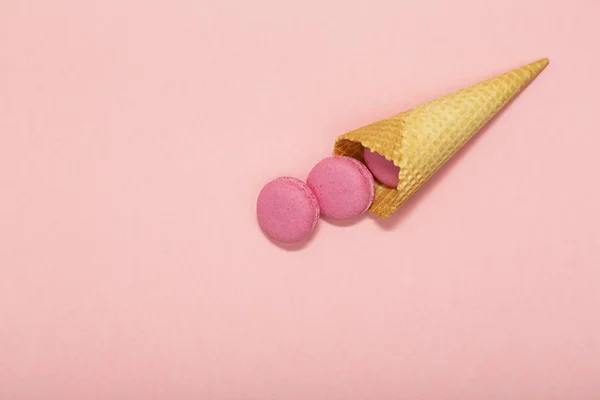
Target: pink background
(135, 136)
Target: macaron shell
(343, 186)
(287, 210)
(385, 171)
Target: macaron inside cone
(385, 171)
(343, 186)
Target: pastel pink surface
(383, 170)
(343, 186)
(135, 136)
(287, 210)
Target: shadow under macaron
(300, 245)
(345, 222)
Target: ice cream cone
(421, 140)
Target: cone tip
(542, 63)
(537, 66)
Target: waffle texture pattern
(421, 140)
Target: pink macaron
(343, 186)
(287, 210)
(385, 171)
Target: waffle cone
(421, 140)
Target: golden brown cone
(421, 140)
